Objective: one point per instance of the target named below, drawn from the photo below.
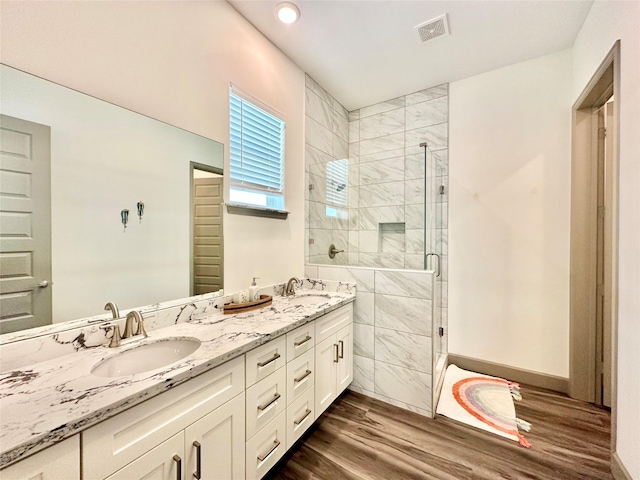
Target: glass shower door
(433, 188)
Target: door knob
(42, 284)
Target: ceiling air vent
(433, 28)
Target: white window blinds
(256, 153)
(337, 182)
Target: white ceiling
(364, 52)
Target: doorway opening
(207, 246)
(594, 237)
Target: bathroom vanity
(231, 409)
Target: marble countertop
(47, 402)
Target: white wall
(509, 215)
(607, 22)
(173, 61)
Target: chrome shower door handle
(438, 257)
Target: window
(257, 155)
(337, 188)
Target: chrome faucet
(114, 309)
(134, 316)
(290, 289)
(114, 341)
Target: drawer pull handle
(276, 444)
(303, 376)
(269, 403)
(178, 461)
(341, 349)
(272, 359)
(198, 473)
(302, 342)
(306, 414)
(335, 347)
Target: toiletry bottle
(253, 290)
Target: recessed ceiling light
(287, 12)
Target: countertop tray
(263, 301)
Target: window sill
(255, 211)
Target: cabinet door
(326, 360)
(344, 339)
(218, 441)
(59, 461)
(165, 462)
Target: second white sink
(146, 357)
(309, 298)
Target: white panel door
(325, 388)
(344, 339)
(165, 462)
(214, 445)
(25, 224)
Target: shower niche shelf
(392, 237)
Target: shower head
(341, 187)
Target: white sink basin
(309, 298)
(146, 357)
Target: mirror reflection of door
(25, 224)
(207, 248)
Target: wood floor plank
(360, 438)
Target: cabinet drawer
(59, 461)
(266, 359)
(160, 463)
(266, 448)
(114, 443)
(301, 374)
(330, 323)
(300, 416)
(265, 400)
(300, 340)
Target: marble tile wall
(326, 152)
(385, 229)
(384, 150)
(392, 334)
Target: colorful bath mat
(483, 402)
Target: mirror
(73, 170)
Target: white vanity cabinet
(233, 422)
(59, 461)
(333, 356)
(267, 443)
(146, 433)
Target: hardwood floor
(362, 438)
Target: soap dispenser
(253, 290)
